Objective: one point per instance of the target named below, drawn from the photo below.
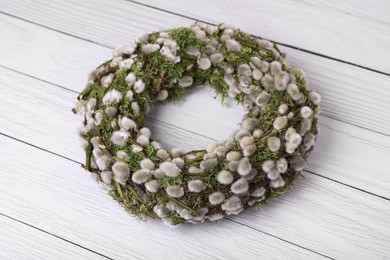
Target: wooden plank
(19, 241)
(344, 152)
(66, 61)
(303, 24)
(329, 218)
(63, 200)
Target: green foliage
(218, 83)
(171, 181)
(270, 111)
(185, 37)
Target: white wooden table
(49, 207)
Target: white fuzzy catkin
(282, 109)
(216, 198)
(162, 154)
(179, 162)
(258, 192)
(143, 140)
(281, 80)
(122, 155)
(175, 191)
(273, 143)
(233, 156)
(314, 97)
(162, 95)
(204, 63)
(216, 58)
(280, 122)
(141, 176)
(194, 170)
(107, 80)
(210, 155)
(127, 123)
(193, 51)
(241, 134)
(147, 164)
(268, 165)
(160, 210)
(95, 141)
(170, 169)
(306, 112)
(106, 176)
(110, 111)
(103, 162)
(279, 182)
(196, 186)
(244, 166)
(282, 165)
(232, 204)
(263, 98)
(150, 48)
(240, 186)
(121, 172)
(139, 86)
(233, 165)
(146, 132)
(225, 177)
(186, 81)
(245, 141)
(158, 174)
(257, 133)
(257, 74)
(119, 138)
(176, 152)
(208, 164)
(275, 68)
(136, 148)
(249, 124)
(233, 46)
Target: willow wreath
(259, 162)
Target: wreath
(259, 162)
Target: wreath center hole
(194, 122)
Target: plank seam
(56, 236)
(279, 43)
(110, 47)
(284, 240)
(306, 171)
(64, 157)
(194, 19)
(156, 120)
(55, 30)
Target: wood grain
(185, 126)
(63, 200)
(326, 217)
(65, 61)
(18, 241)
(342, 209)
(315, 197)
(304, 24)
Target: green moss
(270, 111)
(153, 37)
(218, 83)
(185, 37)
(177, 94)
(171, 181)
